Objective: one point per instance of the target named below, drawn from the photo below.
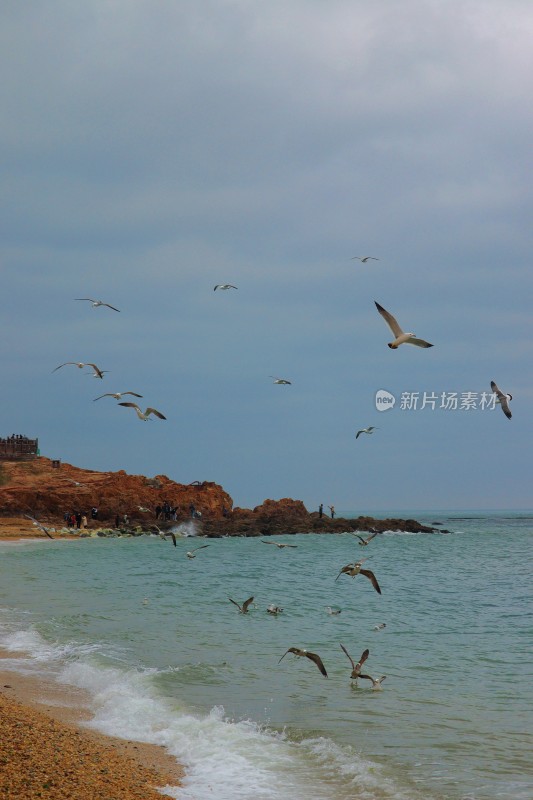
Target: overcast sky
(154, 148)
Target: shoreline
(47, 751)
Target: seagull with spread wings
(400, 336)
(144, 414)
(370, 429)
(306, 654)
(364, 259)
(280, 381)
(354, 569)
(279, 544)
(225, 286)
(98, 373)
(356, 668)
(96, 303)
(116, 395)
(245, 606)
(190, 553)
(502, 399)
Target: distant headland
(50, 490)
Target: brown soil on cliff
(37, 487)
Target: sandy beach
(45, 750)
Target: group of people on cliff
(170, 512)
(78, 519)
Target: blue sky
(154, 149)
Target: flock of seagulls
(99, 373)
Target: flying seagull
(306, 654)
(354, 569)
(279, 544)
(364, 259)
(39, 525)
(370, 429)
(96, 303)
(356, 668)
(244, 608)
(224, 286)
(274, 610)
(116, 395)
(368, 539)
(190, 553)
(280, 380)
(143, 414)
(502, 399)
(401, 337)
(98, 373)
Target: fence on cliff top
(18, 448)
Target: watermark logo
(384, 400)
(446, 401)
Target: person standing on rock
(320, 510)
(332, 509)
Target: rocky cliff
(46, 491)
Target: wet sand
(46, 751)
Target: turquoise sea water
(168, 659)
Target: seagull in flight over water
(190, 553)
(39, 525)
(116, 395)
(401, 337)
(96, 303)
(306, 654)
(354, 569)
(363, 542)
(279, 544)
(144, 414)
(370, 429)
(364, 259)
(502, 399)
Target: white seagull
(144, 414)
(225, 286)
(370, 429)
(96, 303)
(376, 682)
(190, 553)
(401, 337)
(116, 395)
(98, 373)
(279, 380)
(502, 399)
(274, 610)
(364, 259)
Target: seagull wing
(240, 608)
(173, 539)
(86, 298)
(107, 394)
(347, 568)
(267, 542)
(364, 656)
(418, 342)
(502, 398)
(131, 405)
(132, 393)
(96, 369)
(246, 603)
(154, 411)
(390, 320)
(358, 434)
(290, 650)
(372, 578)
(112, 307)
(318, 662)
(349, 656)
(199, 548)
(65, 364)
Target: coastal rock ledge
(46, 490)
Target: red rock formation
(37, 488)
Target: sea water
(168, 659)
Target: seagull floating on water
(380, 626)
(364, 259)
(306, 654)
(354, 569)
(143, 414)
(502, 399)
(225, 286)
(116, 395)
(245, 606)
(401, 337)
(281, 381)
(370, 429)
(333, 611)
(96, 303)
(356, 668)
(376, 682)
(190, 553)
(274, 610)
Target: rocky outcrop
(39, 488)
